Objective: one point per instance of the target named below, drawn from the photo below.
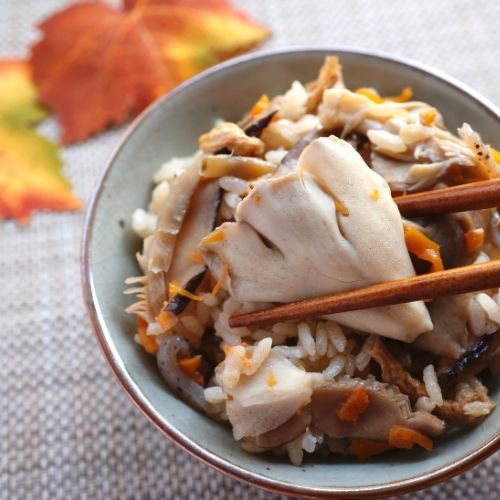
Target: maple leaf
(196, 34)
(30, 166)
(96, 66)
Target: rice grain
(335, 367)
(306, 339)
(432, 385)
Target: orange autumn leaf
(30, 166)
(195, 34)
(96, 66)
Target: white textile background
(67, 430)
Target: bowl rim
(118, 368)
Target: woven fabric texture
(67, 430)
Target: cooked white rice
(432, 386)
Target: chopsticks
(428, 286)
(472, 196)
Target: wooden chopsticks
(428, 286)
(472, 196)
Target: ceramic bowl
(170, 127)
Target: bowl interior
(171, 128)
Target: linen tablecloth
(67, 430)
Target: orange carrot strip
(405, 95)
(428, 117)
(372, 94)
(259, 106)
(147, 341)
(367, 448)
(355, 404)
(402, 437)
(474, 239)
(174, 288)
(167, 320)
(190, 365)
(424, 248)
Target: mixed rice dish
(296, 201)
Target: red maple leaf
(97, 66)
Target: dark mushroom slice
(455, 411)
(181, 384)
(179, 302)
(387, 407)
(255, 127)
(472, 362)
(198, 222)
(393, 372)
(286, 432)
(289, 162)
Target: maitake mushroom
(329, 226)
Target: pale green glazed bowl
(170, 127)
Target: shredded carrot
(174, 288)
(402, 437)
(428, 117)
(259, 106)
(474, 239)
(215, 236)
(147, 341)
(197, 257)
(405, 95)
(167, 320)
(495, 154)
(372, 94)
(190, 367)
(367, 448)
(424, 248)
(271, 379)
(375, 194)
(355, 404)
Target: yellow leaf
(210, 38)
(30, 166)
(18, 104)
